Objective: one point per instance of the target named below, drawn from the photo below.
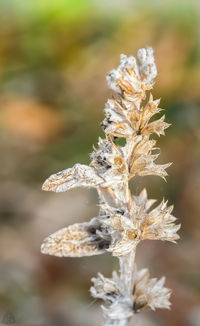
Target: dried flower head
(123, 220)
(149, 293)
(141, 223)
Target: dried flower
(141, 223)
(123, 220)
(149, 293)
(105, 288)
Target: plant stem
(126, 263)
(127, 270)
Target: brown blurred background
(54, 56)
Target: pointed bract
(142, 160)
(157, 127)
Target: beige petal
(157, 127)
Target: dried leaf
(76, 240)
(78, 176)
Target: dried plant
(124, 220)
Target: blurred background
(54, 56)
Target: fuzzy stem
(126, 271)
(126, 264)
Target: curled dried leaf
(77, 240)
(78, 176)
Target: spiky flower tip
(123, 220)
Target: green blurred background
(54, 56)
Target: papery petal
(153, 169)
(157, 127)
(149, 293)
(122, 247)
(106, 288)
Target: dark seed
(103, 244)
(99, 228)
(111, 295)
(120, 212)
(92, 230)
(137, 307)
